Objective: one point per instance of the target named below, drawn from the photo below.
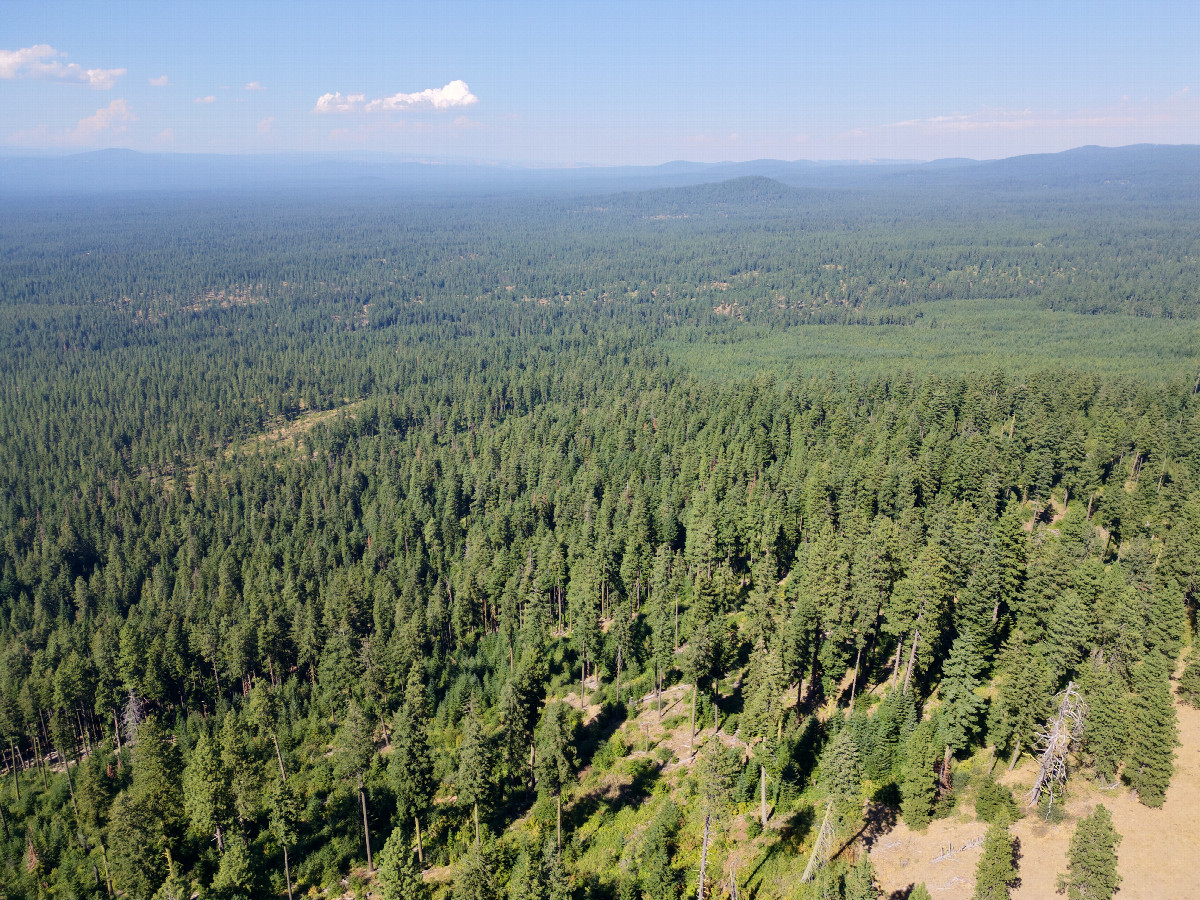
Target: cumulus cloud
(160, 81)
(267, 125)
(336, 103)
(98, 129)
(209, 99)
(41, 62)
(112, 118)
(454, 95)
(253, 86)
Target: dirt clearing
(1158, 858)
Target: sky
(613, 83)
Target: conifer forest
(605, 542)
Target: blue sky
(599, 83)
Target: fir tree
(1189, 681)
(860, 880)
(556, 758)
(996, 871)
(1153, 733)
(840, 771)
(474, 778)
(475, 878)
(410, 767)
(918, 790)
(1092, 860)
(207, 799)
(399, 875)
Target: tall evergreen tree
(556, 758)
(1092, 859)
(996, 871)
(474, 779)
(399, 875)
(1153, 731)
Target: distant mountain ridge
(104, 171)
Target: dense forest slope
(516, 547)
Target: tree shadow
(792, 835)
(615, 798)
(902, 893)
(599, 730)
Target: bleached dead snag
(822, 847)
(1061, 731)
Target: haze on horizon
(598, 83)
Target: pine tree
(284, 809)
(474, 778)
(996, 870)
(235, 874)
(475, 878)
(399, 875)
(918, 790)
(207, 799)
(1153, 733)
(1189, 681)
(860, 880)
(840, 772)
(354, 750)
(1092, 860)
(410, 767)
(556, 759)
(1106, 728)
(716, 772)
(961, 705)
(920, 892)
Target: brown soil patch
(1157, 857)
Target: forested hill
(522, 546)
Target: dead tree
(822, 846)
(1062, 731)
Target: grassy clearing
(956, 336)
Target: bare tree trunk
(618, 676)
(560, 821)
(366, 829)
(658, 691)
(287, 872)
(912, 658)
(896, 665)
(420, 848)
(279, 757)
(1012, 763)
(703, 859)
(854, 683)
(12, 755)
(692, 739)
(762, 793)
(476, 823)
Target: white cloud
(209, 99)
(267, 125)
(454, 95)
(166, 136)
(111, 119)
(336, 103)
(253, 86)
(39, 62)
(160, 81)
